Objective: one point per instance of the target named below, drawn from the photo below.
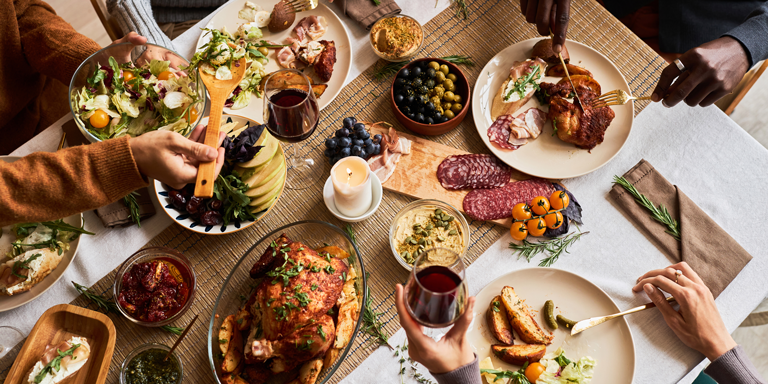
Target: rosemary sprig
(459, 59)
(461, 8)
(106, 304)
(398, 350)
(554, 248)
(130, 201)
(373, 326)
(659, 214)
(351, 233)
(386, 70)
(376, 2)
(421, 379)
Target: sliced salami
(499, 131)
(473, 171)
(492, 204)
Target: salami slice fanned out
(499, 131)
(473, 171)
(492, 204)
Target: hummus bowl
(425, 224)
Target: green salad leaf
(158, 66)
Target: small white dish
(377, 193)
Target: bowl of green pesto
(146, 365)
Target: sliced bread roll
(35, 264)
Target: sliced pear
(265, 205)
(262, 190)
(265, 154)
(267, 172)
(268, 196)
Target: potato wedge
(227, 329)
(331, 356)
(583, 80)
(334, 251)
(318, 89)
(235, 352)
(243, 319)
(283, 79)
(519, 354)
(543, 49)
(310, 371)
(499, 322)
(556, 70)
(521, 319)
(345, 325)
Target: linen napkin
(366, 12)
(118, 214)
(706, 247)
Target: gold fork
(617, 97)
(301, 5)
(583, 325)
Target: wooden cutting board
(416, 173)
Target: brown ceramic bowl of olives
(430, 96)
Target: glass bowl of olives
(430, 96)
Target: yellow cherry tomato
(518, 231)
(521, 211)
(165, 75)
(99, 119)
(540, 205)
(533, 371)
(554, 220)
(128, 76)
(536, 227)
(559, 200)
(192, 116)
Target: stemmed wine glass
(9, 337)
(436, 292)
(291, 115)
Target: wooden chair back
(113, 30)
(728, 103)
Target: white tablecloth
(701, 150)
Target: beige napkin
(706, 247)
(366, 12)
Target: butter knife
(568, 75)
(583, 325)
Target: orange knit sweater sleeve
(52, 47)
(47, 186)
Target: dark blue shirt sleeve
(753, 35)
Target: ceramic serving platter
(60, 323)
(10, 302)
(575, 298)
(547, 156)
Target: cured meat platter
(416, 173)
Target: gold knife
(568, 75)
(583, 325)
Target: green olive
(452, 88)
(264, 50)
(448, 96)
(451, 76)
(262, 61)
(439, 77)
(456, 98)
(449, 114)
(447, 106)
(456, 108)
(447, 83)
(434, 65)
(444, 69)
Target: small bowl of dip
(425, 224)
(397, 38)
(145, 365)
(155, 272)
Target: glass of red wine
(436, 292)
(291, 115)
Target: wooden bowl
(58, 324)
(462, 89)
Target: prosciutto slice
(392, 148)
(527, 125)
(310, 28)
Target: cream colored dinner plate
(227, 17)
(548, 156)
(10, 302)
(576, 298)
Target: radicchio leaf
(572, 212)
(241, 149)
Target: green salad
(561, 370)
(123, 99)
(224, 49)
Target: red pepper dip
(150, 292)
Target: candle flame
(349, 175)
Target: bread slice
(520, 353)
(41, 268)
(498, 321)
(521, 319)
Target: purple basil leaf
(242, 148)
(572, 212)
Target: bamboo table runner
(492, 25)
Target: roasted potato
(543, 50)
(519, 354)
(318, 89)
(282, 17)
(499, 323)
(330, 356)
(345, 325)
(556, 70)
(243, 319)
(226, 331)
(283, 79)
(333, 250)
(234, 354)
(585, 81)
(521, 319)
(310, 371)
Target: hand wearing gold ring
(697, 323)
(703, 75)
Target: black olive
(405, 73)
(399, 99)
(177, 200)
(412, 116)
(445, 119)
(416, 72)
(431, 73)
(407, 88)
(416, 83)
(410, 99)
(399, 82)
(419, 118)
(424, 89)
(405, 110)
(429, 120)
(429, 106)
(438, 116)
(422, 110)
(430, 83)
(422, 99)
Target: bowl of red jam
(155, 286)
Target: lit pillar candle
(351, 179)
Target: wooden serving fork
(583, 325)
(219, 91)
(617, 97)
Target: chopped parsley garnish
(321, 332)
(522, 82)
(19, 265)
(313, 287)
(55, 364)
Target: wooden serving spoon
(218, 90)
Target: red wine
(434, 299)
(292, 117)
